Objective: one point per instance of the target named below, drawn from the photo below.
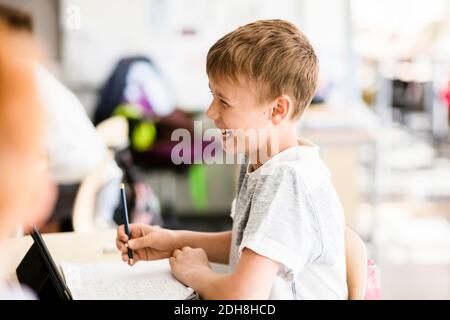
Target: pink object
(373, 286)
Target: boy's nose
(212, 112)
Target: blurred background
(380, 116)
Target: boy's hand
(186, 262)
(147, 242)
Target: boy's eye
(222, 102)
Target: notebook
(147, 280)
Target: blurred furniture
(408, 93)
(356, 261)
(83, 216)
(340, 133)
(114, 132)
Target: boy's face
(244, 123)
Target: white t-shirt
(288, 211)
(74, 147)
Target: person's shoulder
(56, 97)
(45, 78)
(313, 171)
(304, 167)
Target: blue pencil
(125, 218)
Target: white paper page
(149, 280)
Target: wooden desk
(71, 247)
(68, 246)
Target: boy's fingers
(122, 247)
(140, 243)
(119, 244)
(120, 230)
(121, 235)
(136, 231)
(175, 253)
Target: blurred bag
(151, 122)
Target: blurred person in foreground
(74, 148)
(26, 191)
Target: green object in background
(144, 132)
(143, 136)
(197, 187)
(129, 111)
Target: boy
(287, 240)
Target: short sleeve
(282, 224)
(233, 209)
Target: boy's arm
(216, 244)
(151, 242)
(252, 279)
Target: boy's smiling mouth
(226, 133)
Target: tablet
(38, 271)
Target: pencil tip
(131, 262)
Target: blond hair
(273, 55)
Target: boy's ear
(281, 110)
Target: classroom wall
(176, 34)
(46, 20)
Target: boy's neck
(286, 141)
